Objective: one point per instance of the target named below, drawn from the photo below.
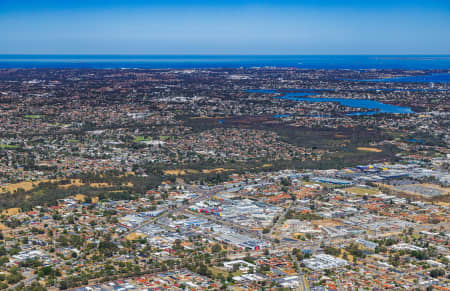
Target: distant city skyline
(225, 27)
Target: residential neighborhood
(223, 179)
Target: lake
(374, 107)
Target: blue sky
(225, 27)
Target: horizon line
(213, 54)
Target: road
(29, 277)
(301, 277)
(339, 285)
(281, 217)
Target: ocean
(353, 62)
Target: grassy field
(362, 191)
(27, 186)
(216, 271)
(11, 211)
(8, 146)
(140, 138)
(33, 116)
(181, 172)
(73, 182)
(216, 170)
(368, 149)
(135, 236)
(326, 222)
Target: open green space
(8, 146)
(140, 138)
(33, 116)
(362, 191)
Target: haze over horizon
(225, 27)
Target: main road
(300, 273)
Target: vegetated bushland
(336, 160)
(341, 142)
(118, 187)
(317, 138)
